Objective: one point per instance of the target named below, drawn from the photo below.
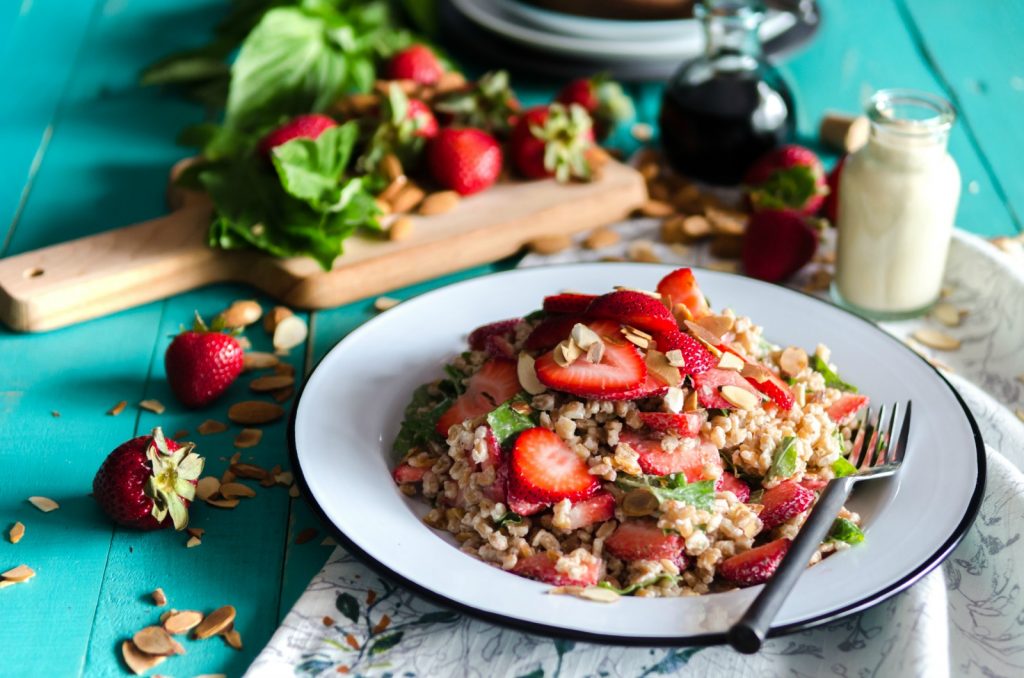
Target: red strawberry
(201, 363)
(830, 207)
(755, 566)
(309, 126)
(496, 459)
(633, 308)
(814, 484)
(464, 160)
(848, 405)
(621, 370)
(602, 98)
(426, 123)
(550, 331)
(652, 386)
(503, 328)
(148, 482)
(656, 461)
(550, 141)
(765, 381)
(541, 566)
(788, 177)
(696, 357)
(684, 424)
(568, 303)
(708, 384)
(542, 468)
(416, 62)
(727, 482)
(404, 473)
(777, 244)
(494, 383)
(597, 509)
(643, 540)
(784, 501)
(680, 287)
(524, 507)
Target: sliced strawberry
(784, 501)
(524, 507)
(708, 384)
(541, 566)
(550, 331)
(696, 357)
(495, 382)
(727, 482)
(404, 473)
(652, 386)
(498, 490)
(633, 308)
(767, 382)
(502, 328)
(597, 509)
(498, 346)
(814, 484)
(685, 423)
(643, 540)
(755, 566)
(848, 405)
(543, 469)
(568, 302)
(621, 370)
(656, 461)
(680, 287)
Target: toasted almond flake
(182, 622)
(328, 541)
(290, 332)
(249, 471)
(166, 614)
(195, 541)
(691, 403)
(306, 535)
(730, 361)
(271, 383)
(16, 532)
(758, 373)
(718, 325)
(800, 391)
(293, 491)
(233, 638)
(215, 622)
(154, 406)
(527, 373)
(703, 334)
(154, 640)
(221, 503)
(595, 353)
(44, 504)
(740, 397)
(19, 574)
(725, 221)
(235, 490)
(207, 487)
(382, 304)
(642, 251)
(675, 358)
(584, 336)
(600, 238)
(682, 313)
(439, 203)
(138, 661)
(674, 399)
(55, 414)
(159, 597)
(259, 360)
(656, 208)
(793, 360)
(248, 437)
(599, 594)
(565, 590)
(255, 412)
(196, 531)
(635, 339)
(118, 408)
(566, 353)
(284, 478)
(658, 364)
(283, 394)
(211, 426)
(823, 352)
(947, 314)
(241, 313)
(940, 341)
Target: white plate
(592, 27)
(347, 417)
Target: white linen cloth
(965, 618)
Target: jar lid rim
(891, 108)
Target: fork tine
(857, 453)
(888, 455)
(901, 443)
(871, 447)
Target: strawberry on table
(786, 500)
(777, 244)
(846, 406)
(727, 482)
(550, 141)
(464, 160)
(709, 383)
(416, 62)
(643, 540)
(148, 482)
(542, 567)
(680, 287)
(597, 509)
(543, 468)
(787, 178)
(755, 566)
(568, 302)
(309, 126)
(602, 98)
(637, 309)
(202, 363)
(622, 370)
(696, 462)
(495, 382)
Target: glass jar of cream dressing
(897, 200)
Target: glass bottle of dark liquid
(726, 108)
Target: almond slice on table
(717, 325)
(600, 238)
(254, 412)
(118, 408)
(439, 203)
(195, 532)
(221, 503)
(44, 504)
(159, 597)
(207, 486)
(16, 532)
(271, 383)
(248, 437)
(21, 573)
(155, 640)
(182, 622)
(249, 471)
(401, 229)
(598, 594)
(241, 313)
(235, 490)
(215, 622)
(274, 317)
(138, 661)
(940, 341)
(284, 478)
(550, 244)
(193, 542)
(233, 638)
(211, 426)
(154, 406)
(290, 332)
(259, 360)
(283, 394)
(947, 314)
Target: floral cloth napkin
(966, 618)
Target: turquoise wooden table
(85, 150)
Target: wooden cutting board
(100, 274)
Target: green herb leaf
(791, 187)
(717, 412)
(699, 495)
(420, 420)
(784, 459)
(642, 584)
(507, 420)
(832, 379)
(509, 517)
(847, 531)
(311, 169)
(842, 467)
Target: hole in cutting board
(33, 272)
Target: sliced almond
(600, 238)
(584, 336)
(233, 638)
(227, 477)
(758, 373)
(234, 490)
(401, 229)
(947, 314)
(793, 360)
(566, 353)
(293, 491)
(681, 312)
(272, 319)
(254, 412)
(44, 504)
(180, 433)
(272, 382)
(675, 358)
(282, 394)
(636, 339)
(407, 198)
(674, 399)
(392, 190)
(19, 574)
(391, 166)
(691, 403)
(195, 541)
(241, 313)
(800, 391)
(717, 325)
(221, 503)
(599, 594)
(739, 397)
(285, 369)
(249, 471)
(167, 614)
(138, 661)
(211, 426)
(595, 353)
(16, 532)
(249, 437)
(385, 303)
(658, 364)
(258, 360)
(726, 222)
(159, 597)
(284, 478)
(215, 622)
(154, 406)
(550, 244)
(937, 340)
(702, 333)
(527, 373)
(207, 487)
(439, 203)
(182, 622)
(196, 531)
(154, 640)
(696, 226)
(290, 332)
(118, 408)
(642, 251)
(730, 361)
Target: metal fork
(875, 456)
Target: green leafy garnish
(420, 419)
(700, 495)
(642, 584)
(845, 530)
(784, 459)
(756, 496)
(509, 517)
(717, 412)
(509, 419)
(455, 379)
(832, 379)
(841, 467)
(789, 188)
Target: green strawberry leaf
(787, 188)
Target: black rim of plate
(895, 587)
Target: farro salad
(634, 442)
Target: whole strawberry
(551, 141)
(602, 98)
(417, 62)
(789, 177)
(488, 104)
(830, 208)
(464, 160)
(777, 244)
(422, 118)
(308, 126)
(201, 363)
(148, 482)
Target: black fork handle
(749, 632)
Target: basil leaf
(717, 412)
(311, 169)
(642, 584)
(845, 530)
(419, 420)
(507, 420)
(699, 495)
(509, 517)
(784, 459)
(455, 378)
(842, 467)
(832, 379)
